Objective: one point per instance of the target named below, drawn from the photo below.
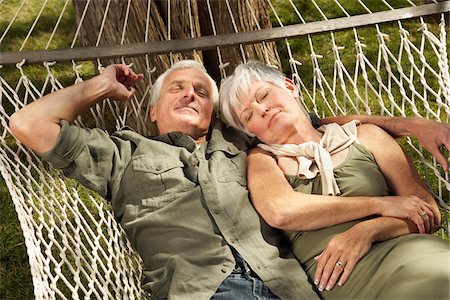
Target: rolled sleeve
(67, 148)
(90, 156)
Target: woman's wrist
(375, 205)
(366, 230)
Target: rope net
(75, 247)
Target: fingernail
(316, 281)
(339, 283)
(328, 288)
(320, 287)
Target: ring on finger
(340, 264)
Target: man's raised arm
(37, 124)
(431, 135)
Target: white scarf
(314, 158)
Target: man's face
(184, 104)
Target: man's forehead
(188, 75)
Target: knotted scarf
(314, 158)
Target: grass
(15, 278)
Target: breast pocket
(232, 168)
(159, 180)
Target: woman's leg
(408, 267)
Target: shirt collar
(177, 138)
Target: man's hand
(122, 80)
(432, 136)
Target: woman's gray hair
(183, 64)
(238, 84)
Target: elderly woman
(346, 196)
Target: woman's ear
(153, 113)
(291, 87)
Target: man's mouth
(187, 108)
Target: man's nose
(190, 93)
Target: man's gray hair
(238, 84)
(183, 64)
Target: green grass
(15, 276)
(40, 36)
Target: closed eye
(249, 116)
(202, 92)
(263, 95)
(176, 87)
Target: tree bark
(102, 23)
(235, 16)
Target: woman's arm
(397, 169)
(431, 135)
(284, 208)
(350, 246)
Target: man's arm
(37, 124)
(431, 135)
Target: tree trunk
(236, 16)
(185, 19)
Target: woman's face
(270, 112)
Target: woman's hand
(412, 208)
(336, 262)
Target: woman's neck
(300, 135)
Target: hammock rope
(75, 246)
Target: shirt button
(206, 181)
(194, 162)
(158, 167)
(216, 211)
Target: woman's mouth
(272, 118)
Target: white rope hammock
(75, 247)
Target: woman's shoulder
(377, 141)
(370, 129)
(369, 134)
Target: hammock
(397, 65)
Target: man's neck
(200, 140)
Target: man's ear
(153, 113)
(291, 87)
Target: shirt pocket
(159, 180)
(232, 168)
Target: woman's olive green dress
(414, 266)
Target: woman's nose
(263, 110)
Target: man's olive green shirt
(182, 207)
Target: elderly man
(181, 196)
